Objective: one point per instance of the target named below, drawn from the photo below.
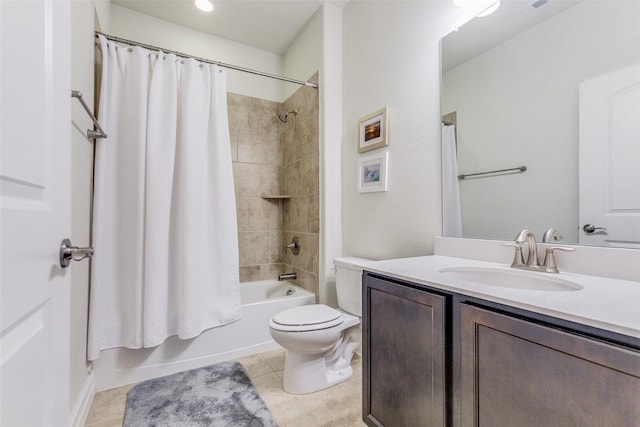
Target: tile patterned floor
(338, 406)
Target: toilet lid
(318, 315)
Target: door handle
(590, 228)
(70, 253)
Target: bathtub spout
(288, 276)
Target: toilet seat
(306, 318)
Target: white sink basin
(513, 279)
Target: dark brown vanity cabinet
(432, 358)
(520, 373)
(403, 356)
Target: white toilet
(320, 340)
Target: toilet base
(306, 373)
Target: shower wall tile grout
(301, 175)
(256, 137)
(271, 157)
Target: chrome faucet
(549, 264)
(287, 276)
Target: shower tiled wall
(301, 160)
(256, 151)
(272, 158)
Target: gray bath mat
(218, 395)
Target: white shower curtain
(165, 225)
(451, 215)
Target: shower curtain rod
(208, 61)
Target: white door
(609, 153)
(35, 207)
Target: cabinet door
(519, 373)
(404, 356)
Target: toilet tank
(349, 283)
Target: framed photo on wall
(373, 131)
(373, 172)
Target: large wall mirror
(519, 87)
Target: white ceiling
(273, 25)
(265, 24)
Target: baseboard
(82, 405)
(109, 376)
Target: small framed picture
(373, 131)
(373, 173)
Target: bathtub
(260, 302)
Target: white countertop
(609, 304)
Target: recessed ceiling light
(203, 5)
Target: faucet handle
(518, 259)
(549, 264)
(294, 246)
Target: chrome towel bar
(518, 169)
(91, 134)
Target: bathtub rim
(300, 291)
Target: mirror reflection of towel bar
(518, 169)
